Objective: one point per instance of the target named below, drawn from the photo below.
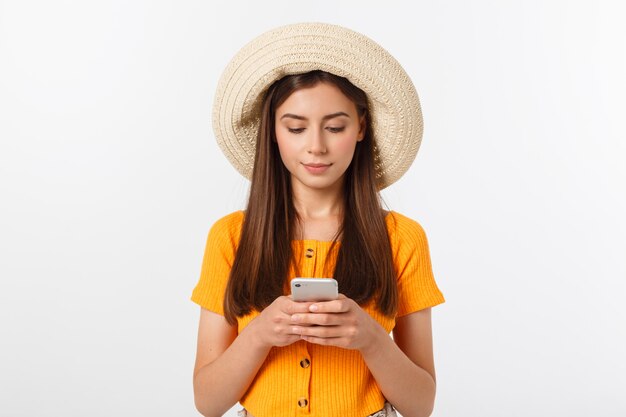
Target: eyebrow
(328, 116)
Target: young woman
(320, 118)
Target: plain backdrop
(110, 178)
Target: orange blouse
(305, 379)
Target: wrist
(380, 338)
(253, 336)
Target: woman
(318, 148)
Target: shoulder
(401, 227)
(228, 227)
(234, 219)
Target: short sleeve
(219, 255)
(417, 288)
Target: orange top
(331, 381)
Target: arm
(405, 370)
(226, 363)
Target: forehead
(322, 97)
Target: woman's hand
(342, 323)
(273, 326)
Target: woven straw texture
(303, 47)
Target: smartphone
(314, 289)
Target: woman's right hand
(273, 326)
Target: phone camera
(297, 285)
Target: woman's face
(317, 129)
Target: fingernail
(313, 307)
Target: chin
(319, 183)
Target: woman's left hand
(341, 322)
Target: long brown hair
(364, 267)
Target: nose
(317, 143)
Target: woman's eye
(336, 129)
(295, 130)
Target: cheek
(286, 148)
(280, 141)
(346, 147)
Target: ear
(362, 128)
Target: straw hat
(303, 47)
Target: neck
(314, 204)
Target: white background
(110, 179)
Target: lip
(316, 168)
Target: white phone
(314, 289)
